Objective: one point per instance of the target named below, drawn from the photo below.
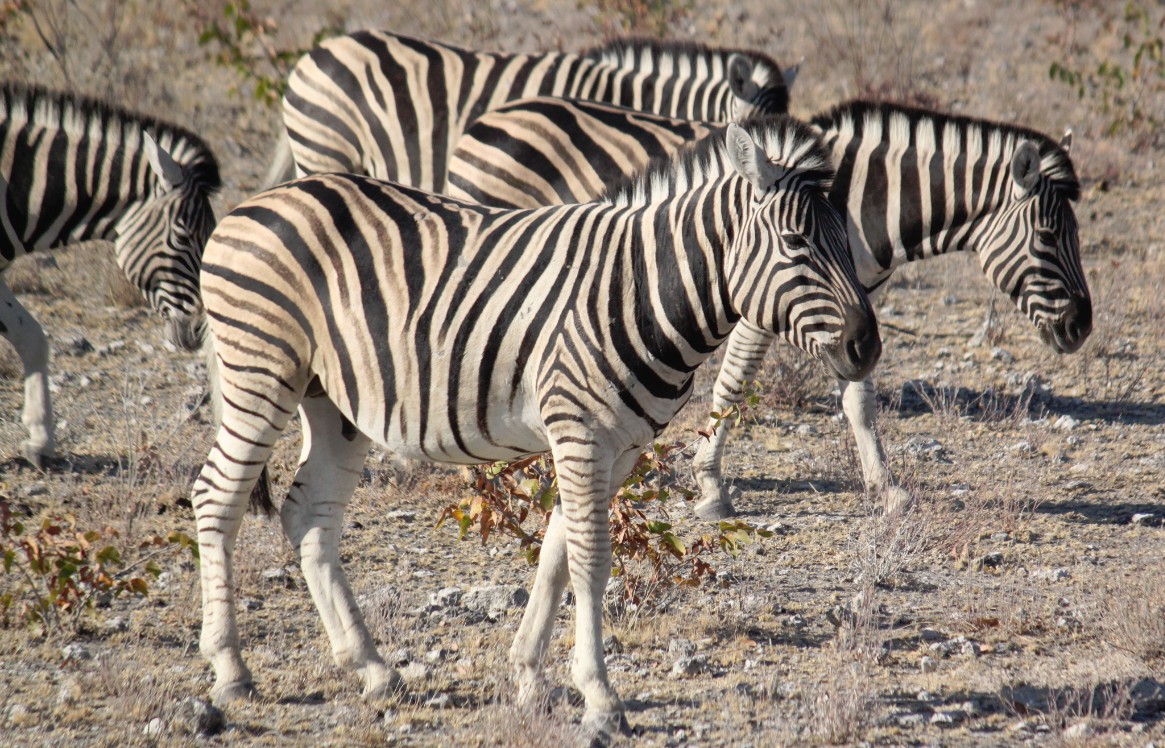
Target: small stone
(69, 693)
(154, 728)
(279, 576)
(448, 597)
(806, 429)
(494, 602)
(1024, 447)
(681, 647)
(931, 635)
(36, 489)
(435, 655)
(1142, 519)
(1065, 423)
(1002, 355)
(927, 664)
(77, 345)
(403, 515)
(1052, 575)
(75, 653)
(690, 665)
(612, 645)
(440, 701)
(946, 718)
(415, 672)
(990, 560)
(910, 720)
(970, 649)
(398, 657)
(1081, 729)
(924, 447)
(199, 717)
(970, 708)
(116, 624)
(925, 696)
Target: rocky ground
(1021, 601)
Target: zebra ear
(168, 171)
(1025, 165)
(749, 160)
(740, 77)
(1066, 141)
(790, 74)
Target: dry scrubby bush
(642, 17)
(650, 558)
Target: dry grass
(1133, 618)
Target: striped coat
(457, 333)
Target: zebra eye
(794, 241)
(1047, 237)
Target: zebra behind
(912, 184)
(74, 169)
(453, 332)
(393, 106)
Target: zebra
(393, 106)
(74, 169)
(453, 332)
(912, 184)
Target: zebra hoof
(896, 500)
(36, 455)
(233, 693)
(602, 727)
(388, 690)
(716, 507)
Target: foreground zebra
(74, 169)
(913, 184)
(457, 333)
(393, 107)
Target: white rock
(1140, 519)
(154, 728)
(927, 664)
(1065, 423)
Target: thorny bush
(649, 555)
(60, 571)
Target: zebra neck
(675, 252)
(905, 204)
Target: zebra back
(394, 106)
(75, 168)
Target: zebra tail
(260, 500)
(282, 166)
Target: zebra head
(1031, 247)
(159, 244)
(789, 267)
(758, 86)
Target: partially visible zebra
(74, 169)
(453, 332)
(912, 184)
(393, 106)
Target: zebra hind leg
(313, 517)
(254, 413)
(27, 336)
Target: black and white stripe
(912, 184)
(74, 169)
(393, 106)
(453, 332)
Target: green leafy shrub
(1129, 87)
(649, 554)
(56, 571)
(245, 43)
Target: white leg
(27, 336)
(743, 354)
(250, 426)
(528, 653)
(860, 404)
(313, 518)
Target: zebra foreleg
(528, 652)
(331, 461)
(859, 401)
(27, 336)
(743, 355)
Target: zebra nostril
(853, 349)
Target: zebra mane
(629, 51)
(786, 141)
(78, 114)
(901, 123)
